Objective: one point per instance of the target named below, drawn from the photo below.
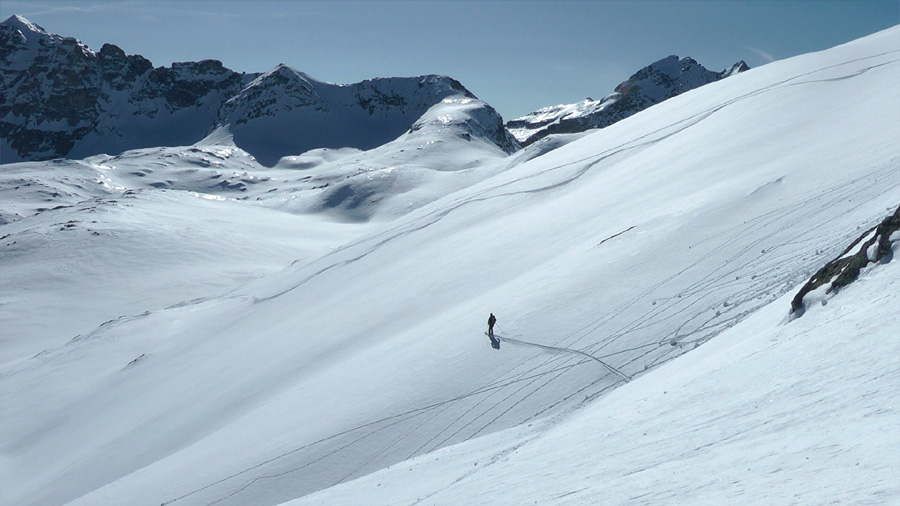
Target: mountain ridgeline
(651, 85)
(58, 98)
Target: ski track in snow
(710, 433)
(586, 164)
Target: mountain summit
(651, 85)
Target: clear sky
(516, 55)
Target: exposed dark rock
(119, 71)
(55, 93)
(845, 269)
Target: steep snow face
(654, 83)
(21, 25)
(285, 112)
(21, 41)
(632, 244)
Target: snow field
(691, 220)
(769, 412)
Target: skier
(491, 321)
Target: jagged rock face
(187, 84)
(651, 85)
(60, 98)
(46, 84)
(121, 72)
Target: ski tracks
(637, 341)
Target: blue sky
(516, 55)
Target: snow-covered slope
(113, 218)
(766, 413)
(651, 85)
(76, 234)
(633, 244)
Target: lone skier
(495, 343)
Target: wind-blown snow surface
(766, 413)
(670, 226)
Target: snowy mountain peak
(673, 75)
(290, 81)
(737, 68)
(666, 78)
(652, 84)
(284, 71)
(23, 25)
(20, 39)
(60, 98)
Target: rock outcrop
(872, 247)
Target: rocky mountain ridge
(651, 85)
(58, 98)
(61, 99)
